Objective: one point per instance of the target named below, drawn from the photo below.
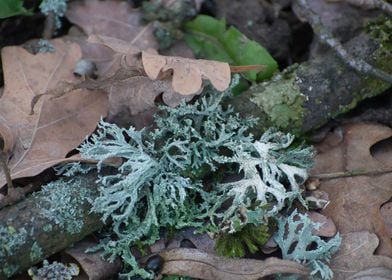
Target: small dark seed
(155, 263)
(186, 243)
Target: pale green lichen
(47, 228)
(57, 7)
(159, 182)
(35, 252)
(54, 271)
(281, 101)
(11, 240)
(45, 46)
(298, 242)
(10, 270)
(61, 204)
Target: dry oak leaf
(116, 19)
(58, 125)
(187, 73)
(122, 54)
(355, 201)
(198, 264)
(112, 18)
(356, 253)
(133, 99)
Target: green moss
(381, 30)
(282, 101)
(35, 252)
(249, 238)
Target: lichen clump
(54, 271)
(11, 240)
(161, 182)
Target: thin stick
(49, 27)
(326, 37)
(372, 4)
(351, 173)
(6, 171)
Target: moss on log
(306, 96)
(47, 222)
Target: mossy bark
(30, 234)
(306, 96)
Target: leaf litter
(43, 139)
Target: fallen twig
(326, 37)
(351, 173)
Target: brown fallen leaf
(93, 266)
(386, 213)
(59, 125)
(373, 273)
(131, 96)
(108, 18)
(355, 201)
(198, 264)
(356, 253)
(187, 73)
(112, 18)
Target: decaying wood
(306, 96)
(32, 237)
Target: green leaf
(211, 39)
(10, 8)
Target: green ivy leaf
(211, 39)
(10, 8)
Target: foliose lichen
(298, 242)
(159, 182)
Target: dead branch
(306, 96)
(326, 37)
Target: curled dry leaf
(112, 18)
(133, 99)
(58, 125)
(373, 273)
(197, 264)
(355, 201)
(386, 213)
(356, 253)
(94, 267)
(109, 18)
(131, 96)
(187, 73)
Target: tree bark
(306, 96)
(37, 227)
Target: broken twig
(326, 37)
